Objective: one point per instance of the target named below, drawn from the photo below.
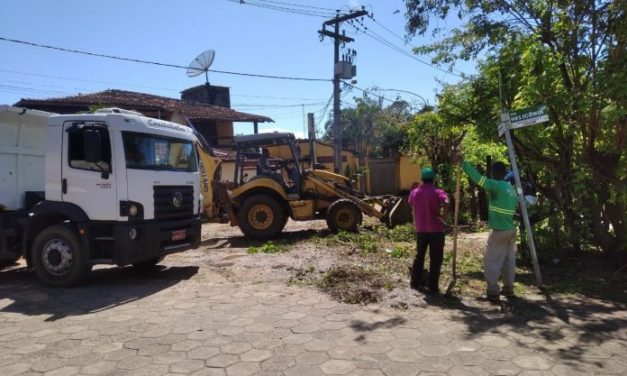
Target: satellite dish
(201, 64)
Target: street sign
(522, 118)
(528, 116)
(518, 119)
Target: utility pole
(311, 133)
(343, 69)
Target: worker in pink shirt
(430, 207)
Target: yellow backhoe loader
(261, 205)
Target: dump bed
(22, 154)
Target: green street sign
(528, 116)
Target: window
(76, 148)
(151, 152)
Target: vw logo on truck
(177, 199)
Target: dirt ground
(373, 266)
(231, 307)
(308, 252)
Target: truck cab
(115, 188)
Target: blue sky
(246, 38)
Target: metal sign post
(504, 127)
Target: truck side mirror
(92, 146)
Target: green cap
(427, 173)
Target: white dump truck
(112, 187)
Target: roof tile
(137, 101)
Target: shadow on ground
(102, 290)
(578, 323)
(363, 328)
(286, 238)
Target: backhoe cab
(261, 205)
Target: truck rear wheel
(261, 216)
(57, 257)
(343, 215)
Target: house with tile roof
(206, 108)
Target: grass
(377, 259)
(386, 256)
(400, 251)
(269, 247)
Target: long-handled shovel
(451, 284)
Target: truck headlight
(132, 210)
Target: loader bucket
(399, 213)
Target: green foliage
(401, 251)
(364, 241)
(372, 129)
(568, 55)
(375, 239)
(402, 233)
(269, 247)
(95, 107)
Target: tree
(438, 133)
(569, 55)
(372, 129)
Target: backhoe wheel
(57, 256)
(343, 215)
(261, 216)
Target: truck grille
(173, 201)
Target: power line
(404, 40)
(375, 36)
(297, 5)
(83, 80)
(157, 63)
(400, 50)
(33, 90)
(270, 97)
(323, 113)
(388, 29)
(283, 8)
(368, 92)
(144, 86)
(264, 106)
(22, 89)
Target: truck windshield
(151, 152)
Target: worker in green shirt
(499, 259)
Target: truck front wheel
(261, 217)
(57, 257)
(343, 215)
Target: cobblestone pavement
(189, 319)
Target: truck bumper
(154, 239)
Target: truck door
(87, 176)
